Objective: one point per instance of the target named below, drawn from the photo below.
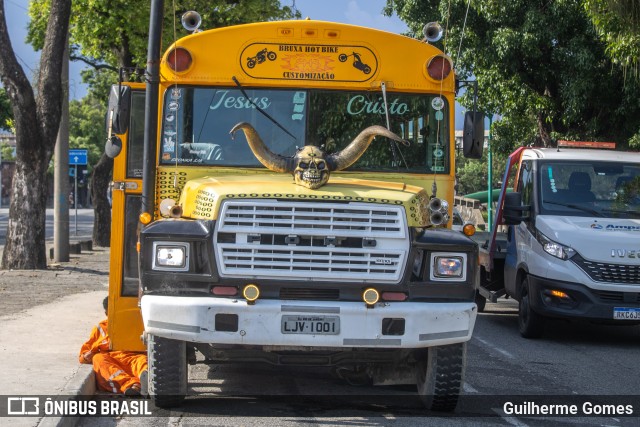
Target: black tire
(271, 55)
(441, 376)
(481, 302)
(530, 323)
(168, 372)
(342, 57)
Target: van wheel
(481, 302)
(530, 323)
(440, 377)
(168, 372)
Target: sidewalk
(45, 316)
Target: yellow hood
(201, 197)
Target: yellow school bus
(280, 194)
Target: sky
(367, 13)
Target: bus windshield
(594, 188)
(197, 121)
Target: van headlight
(555, 249)
(448, 266)
(170, 256)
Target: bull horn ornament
(311, 166)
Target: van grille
(319, 241)
(609, 273)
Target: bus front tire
(168, 372)
(440, 377)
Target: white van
(573, 245)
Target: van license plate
(620, 313)
(313, 325)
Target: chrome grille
(317, 241)
(607, 272)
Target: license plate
(312, 325)
(620, 313)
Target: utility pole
(489, 177)
(61, 174)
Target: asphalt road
(573, 363)
(80, 225)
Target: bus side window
(135, 145)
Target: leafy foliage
(86, 126)
(540, 65)
(472, 175)
(618, 23)
(115, 33)
(6, 114)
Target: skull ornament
(311, 166)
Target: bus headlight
(170, 256)
(448, 266)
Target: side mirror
(473, 135)
(118, 112)
(113, 147)
(513, 211)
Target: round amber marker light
(145, 218)
(370, 296)
(469, 230)
(251, 292)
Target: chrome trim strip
(174, 326)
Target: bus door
(125, 320)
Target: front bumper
(194, 319)
(586, 303)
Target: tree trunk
(544, 132)
(101, 207)
(25, 248)
(36, 120)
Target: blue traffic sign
(78, 157)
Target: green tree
(472, 175)
(113, 35)
(618, 23)
(36, 112)
(5, 110)
(539, 64)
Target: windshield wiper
(624, 211)
(264, 113)
(394, 145)
(578, 207)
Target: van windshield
(602, 189)
(197, 120)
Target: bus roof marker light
(179, 59)
(439, 67)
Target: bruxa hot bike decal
(341, 63)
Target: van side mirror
(513, 212)
(118, 112)
(473, 135)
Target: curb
(82, 383)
